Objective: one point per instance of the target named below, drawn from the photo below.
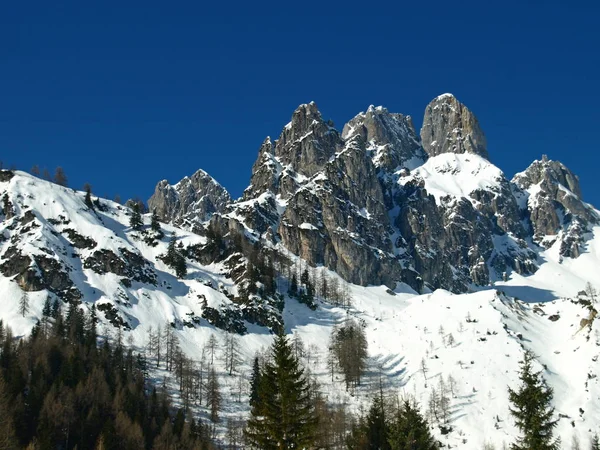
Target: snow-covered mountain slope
(456, 175)
(53, 244)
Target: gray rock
(554, 205)
(391, 138)
(190, 202)
(449, 127)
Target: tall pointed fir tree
(284, 415)
(135, 221)
(409, 430)
(88, 196)
(155, 224)
(255, 383)
(532, 409)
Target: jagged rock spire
(450, 127)
(391, 137)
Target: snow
(402, 329)
(455, 175)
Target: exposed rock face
(190, 202)
(377, 207)
(554, 205)
(449, 127)
(390, 138)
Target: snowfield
(473, 342)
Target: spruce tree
(294, 286)
(532, 409)
(377, 426)
(155, 224)
(284, 415)
(595, 442)
(88, 196)
(135, 221)
(255, 383)
(409, 430)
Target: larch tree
(60, 177)
(24, 304)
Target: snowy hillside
(55, 245)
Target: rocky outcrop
(555, 208)
(390, 138)
(127, 264)
(449, 127)
(190, 202)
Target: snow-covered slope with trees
(451, 270)
(55, 245)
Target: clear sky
(124, 94)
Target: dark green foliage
(409, 430)
(135, 221)
(595, 442)
(62, 391)
(255, 383)
(88, 196)
(155, 225)
(175, 258)
(532, 409)
(377, 427)
(284, 415)
(405, 429)
(294, 286)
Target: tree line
(64, 387)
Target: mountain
(190, 202)
(446, 263)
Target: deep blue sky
(125, 94)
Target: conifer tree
(409, 430)
(377, 426)
(255, 383)
(135, 221)
(532, 409)
(595, 442)
(294, 286)
(155, 224)
(88, 196)
(284, 415)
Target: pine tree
(284, 415)
(532, 410)
(35, 171)
(409, 430)
(135, 221)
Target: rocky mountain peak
(191, 201)
(550, 172)
(450, 127)
(556, 210)
(307, 142)
(391, 138)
